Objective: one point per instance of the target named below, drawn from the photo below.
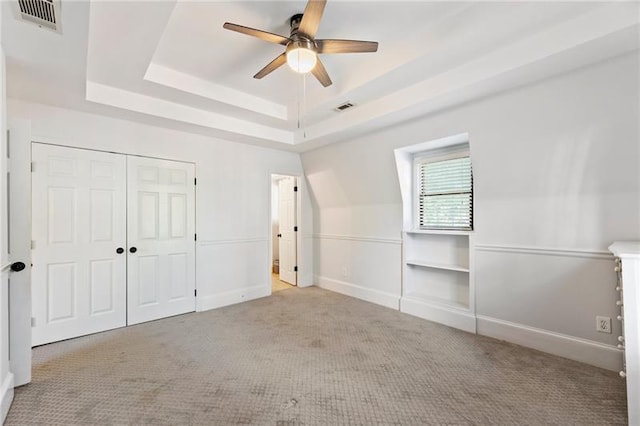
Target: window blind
(446, 194)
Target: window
(445, 191)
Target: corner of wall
(6, 393)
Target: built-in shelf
(435, 265)
(438, 277)
(431, 300)
(439, 232)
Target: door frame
(298, 176)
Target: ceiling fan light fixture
(301, 55)
(302, 60)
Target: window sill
(439, 231)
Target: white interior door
(79, 225)
(287, 215)
(161, 238)
(19, 247)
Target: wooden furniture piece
(628, 269)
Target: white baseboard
(439, 313)
(378, 297)
(6, 393)
(232, 297)
(583, 350)
(305, 281)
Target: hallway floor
(277, 285)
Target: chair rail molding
(397, 241)
(233, 241)
(549, 251)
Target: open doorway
(284, 232)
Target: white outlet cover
(603, 324)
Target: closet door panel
(161, 233)
(78, 222)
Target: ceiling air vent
(44, 13)
(344, 106)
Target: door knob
(119, 250)
(133, 250)
(279, 235)
(17, 266)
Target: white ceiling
(172, 64)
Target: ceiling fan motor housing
(301, 43)
(294, 22)
(299, 40)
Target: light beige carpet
(308, 356)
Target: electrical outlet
(603, 324)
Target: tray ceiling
(172, 62)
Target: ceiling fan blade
(346, 46)
(273, 65)
(320, 72)
(263, 35)
(311, 17)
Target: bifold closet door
(161, 238)
(79, 237)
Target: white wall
(232, 201)
(557, 179)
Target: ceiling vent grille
(344, 106)
(44, 13)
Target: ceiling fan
(302, 48)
